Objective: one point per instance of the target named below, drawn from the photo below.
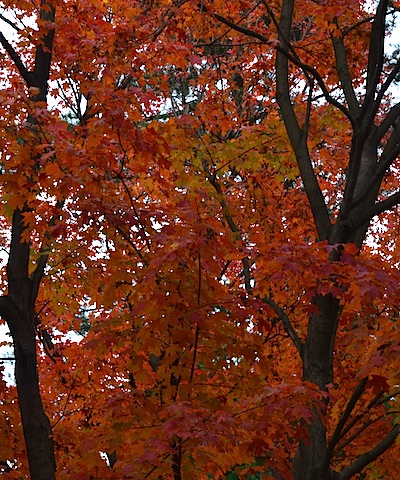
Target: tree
(373, 149)
(204, 192)
(20, 163)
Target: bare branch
(9, 22)
(25, 74)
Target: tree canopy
(206, 195)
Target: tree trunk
(311, 458)
(36, 425)
(17, 309)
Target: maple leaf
(205, 194)
(379, 384)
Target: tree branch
(345, 416)
(246, 264)
(377, 209)
(18, 260)
(362, 461)
(44, 253)
(284, 48)
(377, 103)
(9, 22)
(27, 76)
(363, 427)
(376, 49)
(287, 324)
(390, 119)
(375, 62)
(8, 310)
(43, 55)
(342, 67)
(389, 155)
(297, 139)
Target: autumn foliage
(199, 214)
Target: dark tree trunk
(317, 353)
(36, 425)
(375, 146)
(17, 308)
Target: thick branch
(27, 76)
(379, 97)
(38, 273)
(358, 465)
(9, 22)
(390, 119)
(376, 49)
(377, 209)
(41, 70)
(297, 139)
(375, 65)
(388, 156)
(390, 152)
(18, 260)
(343, 70)
(8, 310)
(283, 47)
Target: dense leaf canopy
(199, 209)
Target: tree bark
(35, 423)
(317, 353)
(17, 309)
(375, 146)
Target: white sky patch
(6, 352)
